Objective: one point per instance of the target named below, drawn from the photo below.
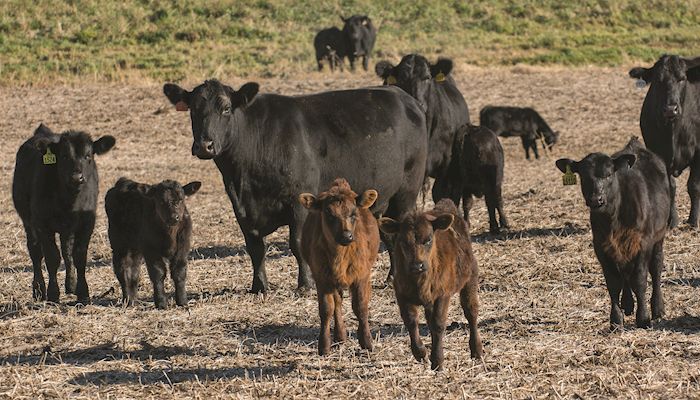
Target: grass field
(44, 42)
(544, 314)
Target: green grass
(74, 40)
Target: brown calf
(340, 241)
(435, 260)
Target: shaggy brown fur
(340, 241)
(623, 245)
(434, 261)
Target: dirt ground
(544, 314)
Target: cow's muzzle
(204, 150)
(417, 267)
(672, 111)
(345, 238)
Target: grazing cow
(517, 121)
(481, 162)
(269, 148)
(630, 201)
(330, 45)
(340, 241)
(360, 36)
(150, 222)
(54, 190)
(434, 261)
(670, 122)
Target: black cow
(271, 148)
(150, 222)
(670, 122)
(630, 201)
(360, 36)
(330, 45)
(54, 190)
(481, 162)
(516, 121)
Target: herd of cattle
(301, 161)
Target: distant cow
(629, 199)
(434, 261)
(340, 241)
(150, 222)
(269, 148)
(481, 162)
(330, 45)
(517, 121)
(360, 36)
(670, 122)
(54, 190)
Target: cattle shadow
(275, 250)
(566, 230)
(94, 263)
(274, 334)
(686, 324)
(692, 282)
(452, 326)
(173, 376)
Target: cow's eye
(88, 157)
(429, 241)
(226, 110)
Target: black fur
(516, 121)
(330, 45)
(360, 35)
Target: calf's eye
(226, 110)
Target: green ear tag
(440, 77)
(391, 80)
(49, 157)
(569, 177)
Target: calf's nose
(671, 110)
(417, 267)
(346, 238)
(78, 177)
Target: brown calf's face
(414, 239)
(169, 200)
(338, 213)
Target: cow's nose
(78, 177)
(417, 267)
(599, 201)
(671, 110)
(346, 238)
(208, 146)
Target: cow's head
(414, 246)
(669, 77)
(338, 207)
(169, 200)
(598, 177)
(356, 28)
(212, 107)
(74, 152)
(414, 74)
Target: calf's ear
(641, 73)
(443, 65)
(192, 188)
(624, 161)
(309, 201)
(389, 226)
(368, 198)
(383, 69)
(103, 144)
(692, 71)
(441, 222)
(44, 143)
(246, 94)
(178, 96)
(562, 163)
(43, 130)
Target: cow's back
(124, 207)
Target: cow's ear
(562, 163)
(366, 21)
(44, 143)
(383, 69)
(389, 226)
(309, 201)
(43, 130)
(642, 73)
(178, 96)
(442, 66)
(368, 198)
(345, 20)
(624, 161)
(103, 144)
(192, 188)
(692, 71)
(442, 222)
(246, 94)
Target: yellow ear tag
(569, 177)
(440, 77)
(391, 80)
(49, 157)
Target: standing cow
(516, 121)
(670, 122)
(54, 191)
(330, 45)
(360, 36)
(270, 148)
(630, 201)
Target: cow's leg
(133, 274)
(469, 300)
(361, 291)
(255, 245)
(399, 205)
(526, 146)
(533, 145)
(627, 299)
(67, 243)
(34, 248)
(304, 279)
(319, 63)
(326, 305)
(53, 260)
(80, 249)
(365, 62)
(340, 333)
(613, 281)
(499, 205)
(638, 281)
(674, 213)
(694, 193)
(437, 322)
(656, 267)
(491, 204)
(120, 265)
(156, 271)
(409, 315)
(352, 63)
(389, 244)
(178, 272)
(467, 203)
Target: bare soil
(544, 314)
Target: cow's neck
(52, 187)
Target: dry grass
(544, 312)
